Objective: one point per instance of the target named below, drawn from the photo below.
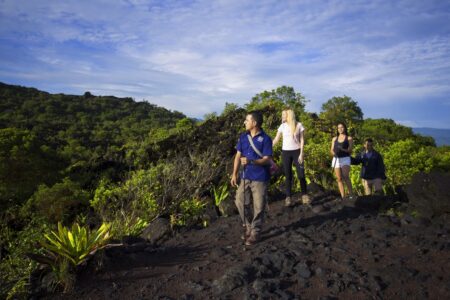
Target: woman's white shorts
(338, 162)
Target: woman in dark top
(341, 148)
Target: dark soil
(332, 250)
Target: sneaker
(306, 199)
(247, 234)
(288, 201)
(253, 239)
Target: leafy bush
(355, 178)
(189, 213)
(134, 193)
(127, 225)
(189, 173)
(318, 163)
(440, 157)
(403, 159)
(130, 204)
(160, 190)
(61, 202)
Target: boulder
(429, 194)
(156, 230)
(233, 278)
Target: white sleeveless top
(289, 143)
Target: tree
(229, 108)
(279, 98)
(210, 116)
(341, 109)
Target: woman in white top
(292, 133)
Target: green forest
(78, 171)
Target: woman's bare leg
(337, 171)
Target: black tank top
(343, 145)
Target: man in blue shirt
(372, 171)
(254, 177)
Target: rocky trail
(331, 250)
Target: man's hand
(244, 161)
(233, 180)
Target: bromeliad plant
(65, 249)
(220, 194)
(76, 244)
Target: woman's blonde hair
(290, 120)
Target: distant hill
(441, 136)
(46, 137)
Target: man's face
(368, 146)
(249, 122)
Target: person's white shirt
(289, 143)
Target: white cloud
(195, 56)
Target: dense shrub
(403, 159)
(61, 202)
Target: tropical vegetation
(76, 171)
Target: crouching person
(372, 171)
(254, 175)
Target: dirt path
(332, 251)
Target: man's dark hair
(368, 140)
(258, 117)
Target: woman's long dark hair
(345, 129)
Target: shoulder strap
(253, 145)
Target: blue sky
(392, 57)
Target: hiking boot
(247, 234)
(288, 201)
(306, 199)
(253, 239)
